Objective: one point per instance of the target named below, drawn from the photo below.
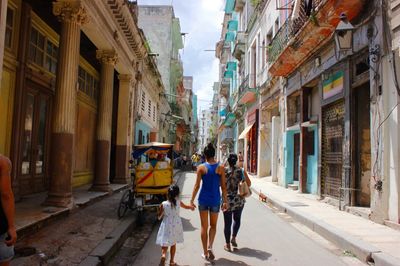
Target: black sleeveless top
(3, 221)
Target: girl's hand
(224, 207)
(192, 206)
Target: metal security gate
(332, 148)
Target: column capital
(107, 56)
(70, 10)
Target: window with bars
(143, 105)
(149, 109)
(154, 113)
(42, 51)
(9, 28)
(88, 84)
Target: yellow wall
(6, 105)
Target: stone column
(72, 15)
(3, 15)
(104, 121)
(124, 127)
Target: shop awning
(243, 135)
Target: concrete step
(359, 211)
(293, 186)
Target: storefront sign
(333, 85)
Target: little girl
(171, 230)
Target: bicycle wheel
(124, 203)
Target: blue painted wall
(145, 130)
(312, 165)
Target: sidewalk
(30, 215)
(367, 240)
(81, 236)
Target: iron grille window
(42, 51)
(149, 109)
(143, 101)
(9, 28)
(88, 84)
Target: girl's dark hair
(173, 192)
(209, 151)
(232, 159)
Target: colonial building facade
(317, 117)
(70, 74)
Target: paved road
(265, 238)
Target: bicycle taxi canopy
(156, 178)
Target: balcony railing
(226, 135)
(224, 87)
(307, 31)
(239, 48)
(289, 29)
(247, 89)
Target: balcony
(224, 87)
(299, 37)
(239, 49)
(230, 69)
(226, 135)
(239, 5)
(248, 90)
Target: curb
(363, 250)
(104, 251)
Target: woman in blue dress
(211, 175)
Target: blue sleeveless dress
(210, 194)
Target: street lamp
(344, 34)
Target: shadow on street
(249, 252)
(187, 225)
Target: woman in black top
(234, 175)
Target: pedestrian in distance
(234, 175)
(8, 235)
(171, 230)
(211, 175)
(241, 159)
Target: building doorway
(33, 163)
(296, 159)
(362, 146)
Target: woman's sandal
(227, 248)
(211, 255)
(205, 257)
(162, 261)
(233, 242)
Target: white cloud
(201, 19)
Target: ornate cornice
(70, 10)
(107, 56)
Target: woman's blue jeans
(228, 216)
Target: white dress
(171, 230)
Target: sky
(202, 20)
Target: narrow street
(265, 238)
